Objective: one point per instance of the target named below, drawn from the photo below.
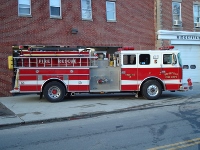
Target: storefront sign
(179, 37)
(188, 37)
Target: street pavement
(29, 109)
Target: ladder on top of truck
(55, 60)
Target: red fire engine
(58, 72)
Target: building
(178, 24)
(100, 24)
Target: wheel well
(156, 79)
(51, 80)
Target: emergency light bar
(125, 48)
(166, 48)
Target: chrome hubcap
(54, 92)
(152, 90)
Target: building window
(185, 67)
(86, 9)
(192, 66)
(176, 11)
(110, 11)
(196, 14)
(24, 7)
(55, 8)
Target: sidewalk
(27, 109)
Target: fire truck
(59, 72)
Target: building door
(190, 55)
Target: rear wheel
(151, 90)
(54, 91)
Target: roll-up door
(190, 55)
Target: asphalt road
(167, 127)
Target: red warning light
(167, 47)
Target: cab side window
(167, 59)
(129, 59)
(144, 59)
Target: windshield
(179, 59)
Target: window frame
(55, 16)
(24, 14)
(179, 18)
(88, 10)
(114, 11)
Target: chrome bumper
(14, 91)
(185, 87)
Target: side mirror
(174, 60)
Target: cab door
(171, 71)
(129, 72)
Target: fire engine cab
(58, 72)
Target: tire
(151, 90)
(54, 91)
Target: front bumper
(185, 87)
(14, 91)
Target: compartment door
(129, 72)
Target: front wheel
(151, 90)
(54, 91)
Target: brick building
(102, 24)
(178, 24)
